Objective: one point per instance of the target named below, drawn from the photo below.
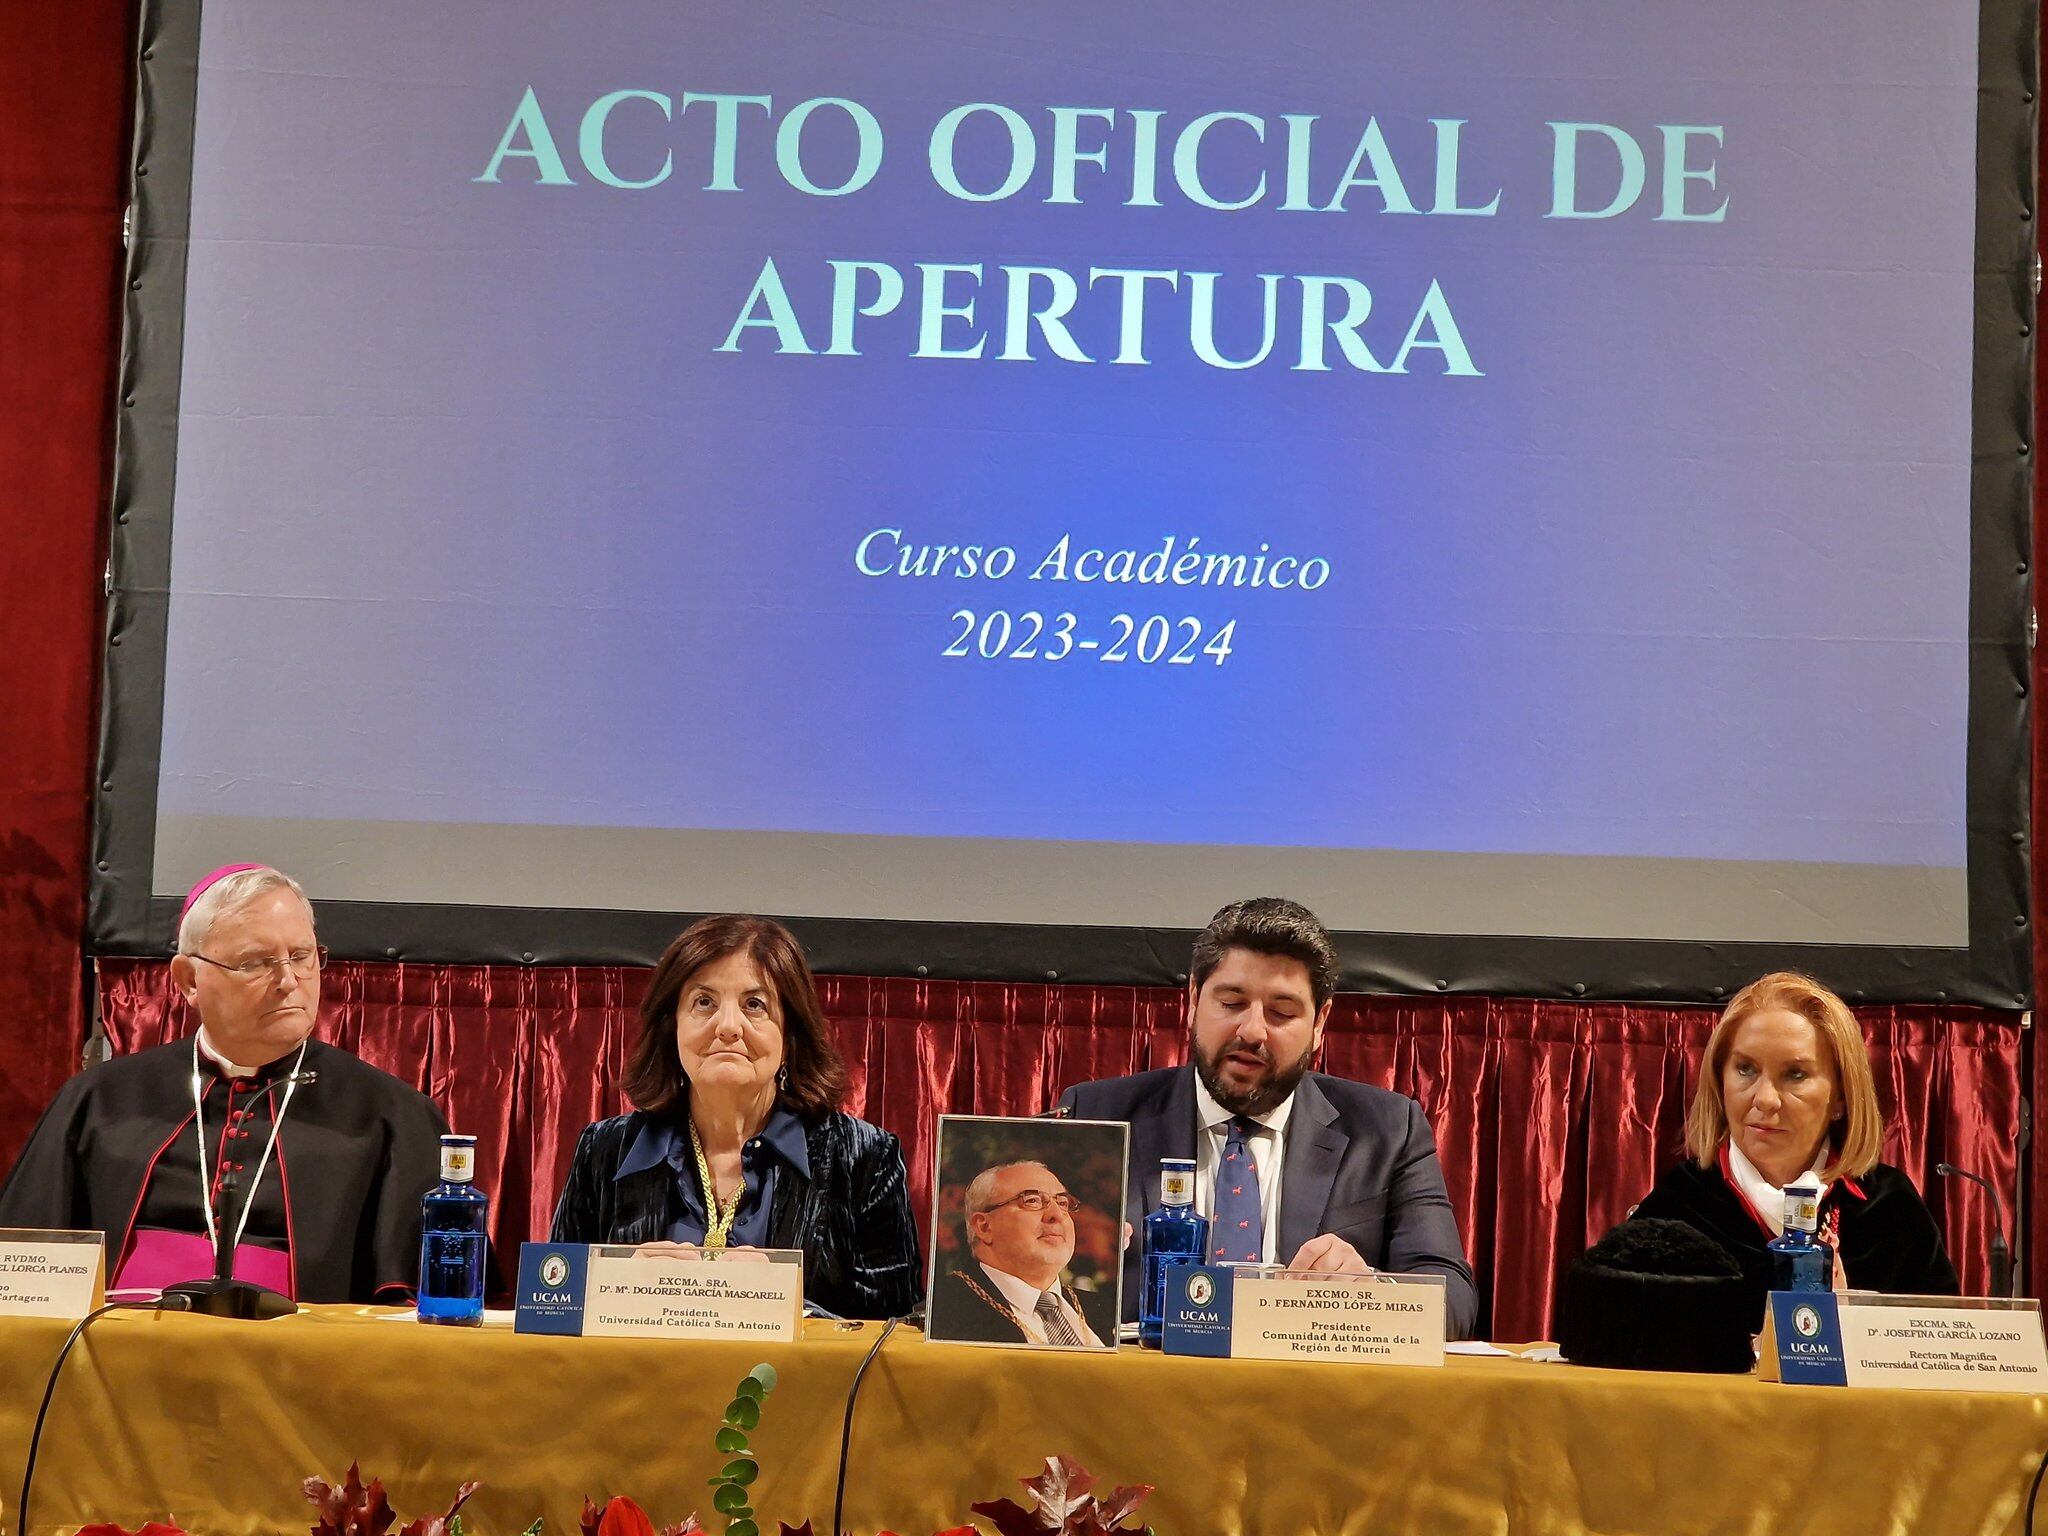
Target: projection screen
(1546, 487)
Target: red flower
(622, 1517)
(108, 1528)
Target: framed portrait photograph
(1027, 1232)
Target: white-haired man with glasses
(1020, 1233)
(250, 1148)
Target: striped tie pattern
(1057, 1329)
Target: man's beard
(1268, 1093)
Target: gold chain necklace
(718, 1219)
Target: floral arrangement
(1063, 1502)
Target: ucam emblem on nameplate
(604, 1291)
(1253, 1313)
(551, 1288)
(51, 1274)
(1923, 1343)
(755, 1293)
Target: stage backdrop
(1551, 1120)
(1497, 477)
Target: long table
(212, 1425)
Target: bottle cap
(458, 1159)
(1802, 1206)
(1177, 1181)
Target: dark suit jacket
(1360, 1162)
(852, 1219)
(966, 1307)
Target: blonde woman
(1784, 1090)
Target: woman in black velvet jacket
(738, 1086)
(1785, 1092)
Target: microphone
(2001, 1254)
(225, 1297)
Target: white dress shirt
(1268, 1147)
(1766, 1197)
(1023, 1296)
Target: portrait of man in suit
(1292, 1166)
(1004, 1273)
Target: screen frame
(1995, 969)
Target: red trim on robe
(228, 1126)
(148, 1173)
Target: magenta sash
(157, 1258)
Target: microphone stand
(223, 1295)
(2001, 1253)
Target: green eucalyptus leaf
(764, 1374)
(728, 1440)
(743, 1528)
(728, 1499)
(750, 1386)
(741, 1472)
(533, 1529)
(743, 1413)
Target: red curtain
(64, 86)
(1551, 1119)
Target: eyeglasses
(1036, 1200)
(300, 962)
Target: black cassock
(356, 1148)
(1888, 1238)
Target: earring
(782, 1078)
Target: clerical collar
(1764, 1197)
(1209, 1115)
(212, 1054)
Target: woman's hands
(667, 1250)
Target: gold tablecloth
(213, 1424)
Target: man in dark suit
(1020, 1235)
(1292, 1166)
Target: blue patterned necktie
(1238, 1232)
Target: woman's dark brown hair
(817, 1075)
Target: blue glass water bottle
(1800, 1261)
(1174, 1234)
(453, 1218)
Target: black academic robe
(357, 1148)
(1888, 1238)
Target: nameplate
(601, 1291)
(1249, 1313)
(51, 1274)
(1919, 1343)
